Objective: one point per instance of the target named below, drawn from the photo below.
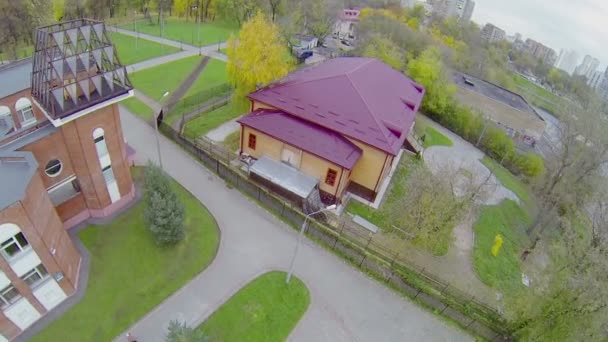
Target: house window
(6, 122)
(108, 174)
(100, 146)
(252, 141)
(64, 191)
(330, 178)
(8, 296)
(24, 108)
(53, 168)
(35, 276)
(14, 245)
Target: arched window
(12, 241)
(24, 108)
(106, 164)
(6, 121)
(100, 143)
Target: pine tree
(164, 212)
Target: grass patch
(266, 309)
(538, 95)
(130, 274)
(187, 31)
(511, 182)
(165, 77)
(380, 217)
(510, 220)
(20, 53)
(132, 50)
(210, 84)
(138, 108)
(433, 137)
(232, 141)
(205, 122)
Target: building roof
(307, 136)
(361, 98)
(15, 77)
(492, 91)
(16, 172)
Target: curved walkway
(345, 304)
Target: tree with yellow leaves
(257, 57)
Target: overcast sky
(581, 25)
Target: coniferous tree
(164, 212)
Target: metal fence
(350, 242)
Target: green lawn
(502, 272)
(187, 31)
(21, 52)
(210, 84)
(138, 108)
(132, 50)
(232, 141)
(213, 119)
(165, 77)
(433, 137)
(266, 309)
(537, 95)
(396, 190)
(130, 274)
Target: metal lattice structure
(75, 67)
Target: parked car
(346, 42)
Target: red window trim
(252, 141)
(330, 177)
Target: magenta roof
(307, 136)
(361, 98)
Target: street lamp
(156, 123)
(295, 252)
(198, 29)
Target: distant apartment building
(587, 67)
(567, 60)
(462, 9)
(595, 79)
(492, 34)
(603, 86)
(540, 51)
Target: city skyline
(559, 24)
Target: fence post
(416, 296)
(445, 287)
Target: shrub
(180, 332)
(164, 212)
(529, 164)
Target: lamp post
(295, 252)
(160, 160)
(198, 28)
(136, 33)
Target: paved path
(346, 305)
(209, 50)
(224, 130)
(150, 63)
(148, 101)
(463, 155)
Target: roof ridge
(367, 61)
(381, 125)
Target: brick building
(63, 159)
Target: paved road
(345, 306)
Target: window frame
(330, 177)
(47, 167)
(24, 121)
(252, 141)
(40, 271)
(6, 302)
(13, 240)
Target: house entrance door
(290, 157)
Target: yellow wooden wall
(309, 163)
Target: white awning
(285, 176)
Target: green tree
(164, 212)
(257, 57)
(180, 332)
(428, 70)
(385, 50)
